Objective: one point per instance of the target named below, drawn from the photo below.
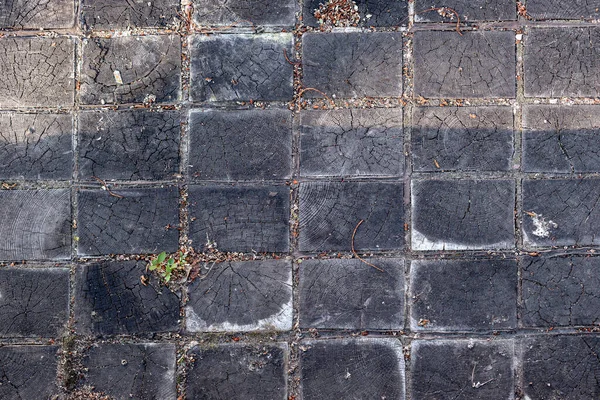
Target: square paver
(561, 291)
(561, 212)
(353, 64)
(352, 369)
(28, 372)
(252, 372)
(139, 221)
(462, 295)
(129, 145)
(471, 65)
(110, 299)
(561, 139)
(462, 139)
(131, 69)
(561, 367)
(28, 14)
(379, 13)
(113, 14)
(462, 369)
(241, 144)
(349, 294)
(558, 9)
(34, 302)
(351, 142)
(463, 214)
(240, 218)
(244, 12)
(36, 224)
(467, 10)
(139, 371)
(242, 296)
(38, 72)
(330, 213)
(241, 67)
(36, 146)
(562, 62)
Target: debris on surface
(338, 13)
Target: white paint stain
(422, 242)
(282, 321)
(542, 227)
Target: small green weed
(166, 265)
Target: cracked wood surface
(474, 65)
(140, 221)
(560, 291)
(560, 62)
(356, 367)
(561, 367)
(463, 295)
(111, 14)
(34, 302)
(441, 202)
(567, 208)
(345, 294)
(36, 146)
(261, 12)
(351, 143)
(35, 224)
(111, 299)
(36, 71)
(254, 372)
(129, 145)
(329, 212)
(353, 64)
(241, 67)
(463, 214)
(131, 69)
(241, 145)
(28, 372)
(462, 369)
(557, 9)
(140, 371)
(242, 296)
(35, 14)
(462, 139)
(240, 218)
(562, 140)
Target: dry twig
(444, 12)
(354, 251)
(318, 91)
(105, 187)
(288, 60)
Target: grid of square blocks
(459, 210)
